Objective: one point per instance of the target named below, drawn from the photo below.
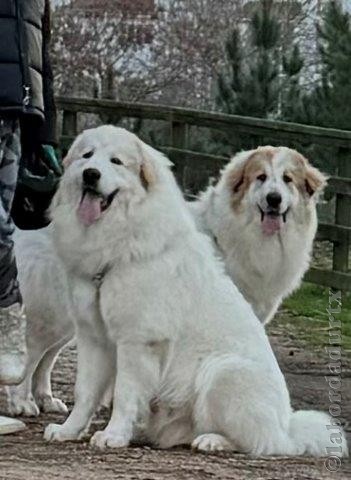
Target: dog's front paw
(59, 433)
(25, 407)
(210, 442)
(49, 404)
(109, 439)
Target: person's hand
(47, 170)
(51, 159)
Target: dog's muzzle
(93, 204)
(272, 219)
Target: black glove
(38, 178)
(41, 172)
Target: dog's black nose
(91, 176)
(274, 199)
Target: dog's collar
(98, 278)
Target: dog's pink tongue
(89, 209)
(271, 224)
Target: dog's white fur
(50, 320)
(194, 363)
(265, 268)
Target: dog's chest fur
(268, 270)
(86, 254)
(265, 269)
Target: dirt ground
(27, 456)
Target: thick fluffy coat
(194, 363)
(262, 218)
(50, 320)
(265, 267)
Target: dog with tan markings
(262, 217)
(157, 316)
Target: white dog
(194, 363)
(50, 320)
(265, 254)
(262, 217)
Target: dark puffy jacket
(26, 86)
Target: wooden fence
(188, 163)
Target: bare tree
(166, 51)
(92, 38)
(140, 50)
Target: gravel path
(27, 456)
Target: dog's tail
(318, 434)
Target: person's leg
(12, 318)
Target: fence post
(69, 126)
(179, 135)
(179, 139)
(342, 213)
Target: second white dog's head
(269, 184)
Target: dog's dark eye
(262, 177)
(88, 154)
(116, 161)
(287, 179)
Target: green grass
(305, 315)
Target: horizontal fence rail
(257, 126)
(193, 168)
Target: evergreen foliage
(329, 104)
(266, 82)
(250, 85)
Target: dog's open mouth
(272, 220)
(93, 204)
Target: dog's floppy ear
(315, 181)
(69, 157)
(72, 152)
(67, 160)
(151, 160)
(237, 178)
(236, 171)
(147, 175)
